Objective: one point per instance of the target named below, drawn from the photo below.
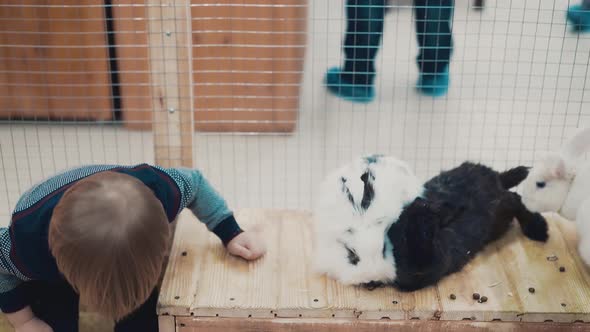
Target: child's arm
(211, 209)
(14, 300)
(205, 203)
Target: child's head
(109, 235)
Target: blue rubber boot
(434, 84)
(357, 93)
(579, 17)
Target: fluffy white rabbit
(560, 182)
(356, 205)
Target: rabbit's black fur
(460, 212)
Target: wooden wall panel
(248, 63)
(54, 61)
(131, 38)
(246, 72)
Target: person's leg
(363, 38)
(361, 43)
(55, 303)
(143, 319)
(435, 42)
(579, 16)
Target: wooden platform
(204, 287)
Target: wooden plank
(569, 232)
(171, 81)
(343, 299)
(288, 108)
(212, 279)
(76, 96)
(166, 324)
(13, 73)
(557, 296)
(233, 287)
(388, 303)
(188, 324)
(207, 45)
(131, 37)
(301, 292)
(317, 294)
(282, 284)
(484, 277)
(181, 279)
(56, 63)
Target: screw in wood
(483, 299)
(453, 297)
(177, 297)
(531, 290)
(476, 296)
(561, 269)
(168, 33)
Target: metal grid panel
(518, 86)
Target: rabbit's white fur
(583, 226)
(567, 186)
(339, 222)
(557, 174)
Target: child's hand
(248, 245)
(25, 321)
(34, 325)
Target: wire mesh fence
(93, 81)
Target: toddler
(98, 236)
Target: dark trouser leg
(579, 16)
(363, 37)
(143, 319)
(433, 28)
(56, 304)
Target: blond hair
(109, 235)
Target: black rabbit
(458, 214)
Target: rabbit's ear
(577, 144)
(559, 170)
(556, 167)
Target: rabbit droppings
(376, 224)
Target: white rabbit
(583, 226)
(356, 206)
(560, 182)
